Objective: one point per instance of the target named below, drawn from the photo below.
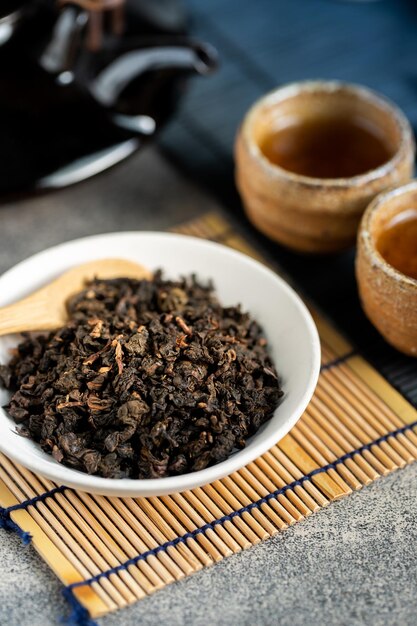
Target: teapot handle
(168, 51)
(188, 55)
(106, 84)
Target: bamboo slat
(345, 429)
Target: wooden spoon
(45, 309)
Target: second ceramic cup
(387, 293)
(315, 213)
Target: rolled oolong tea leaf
(147, 379)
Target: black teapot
(84, 84)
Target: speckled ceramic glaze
(316, 214)
(389, 298)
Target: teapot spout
(186, 56)
(205, 58)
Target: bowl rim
(365, 236)
(366, 94)
(159, 486)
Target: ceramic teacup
(308, 213)
(388, 296)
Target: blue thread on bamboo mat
(245, 509)
(6, 521)
(8, 524)
(338, 361)
(79, 615)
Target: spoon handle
(45, 309)
(30, 314)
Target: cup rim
(365, 237)
(329, 86)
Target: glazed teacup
(388, 296)
(308, 213)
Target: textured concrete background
(353, 563)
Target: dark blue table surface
(265, 43)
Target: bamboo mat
(111, 552)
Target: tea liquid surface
(327, 148)
(398, 242)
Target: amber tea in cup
(397, 242)
(334, 147)
(310, 156)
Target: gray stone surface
(353, 563)
(142, 193)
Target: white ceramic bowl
(288, 326)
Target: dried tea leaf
(147, 379)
